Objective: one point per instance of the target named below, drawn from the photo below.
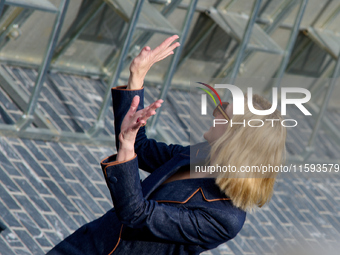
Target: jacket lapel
(164, 172)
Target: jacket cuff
(121, 95)
(112, 161)
(124, 183)
(123, 87)
(121, 99)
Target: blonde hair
(250, 146)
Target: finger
(171, 48)
(167, 52)
(167, 42)
(133, 106)
(145, 51)
(152, 106)
(150, 110)
(155, 105)
(163, 57)
(137, 125)
(143, 119)
(148, 115)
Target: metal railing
(255, 35)
(138, 16)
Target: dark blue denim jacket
(179, 217)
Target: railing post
(323, 108)
(290, 45)
(98, 126)
(172, 69)
(243, 46)
(28, 115)
(2, 4)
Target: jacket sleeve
(151, 154)
(202, 226)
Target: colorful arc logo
(209, 93)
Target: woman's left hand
(146, 58)
(132, 121)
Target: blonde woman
(169, 212)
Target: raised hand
(132, 121)
(146, 58)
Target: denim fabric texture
(180, 217)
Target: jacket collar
(197, 154)
(181, 191)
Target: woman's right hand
(146, 58)
(132, 121)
